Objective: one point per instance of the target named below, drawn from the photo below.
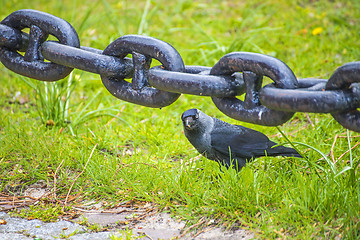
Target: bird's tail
(283, 151)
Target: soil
(143, 219)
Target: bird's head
(190, 118)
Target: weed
(93, 227)
(53, 104)
(67, 236)
(52, 100)
(43, 211)
(125, 234)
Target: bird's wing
(242, 141)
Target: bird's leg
(253, 83)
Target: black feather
(224, 142)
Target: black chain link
(233, 75)
(41, 25)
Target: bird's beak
(188, 122)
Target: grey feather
(226, 143)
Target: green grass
(113, 151)
(42, 211)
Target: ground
(85, 146)
(92, 221)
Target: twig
(111, 120)
(105, 211)
(341, 136)
(332, 148)
(146, 235)
(121, 211)
(202, 231)
(309, 119)
(349, 136)
(42, 196)
(13, 199)
(84, 210)
(348, 151)
(322, 157)
(144, 215)
(17, 197)
(201, 221)
(67, 196)
(280, 233)
(118, 167)
(18, 206)
(15, 202)
(55, 174)
(33, 201)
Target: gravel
(22, 229)
(159, 226)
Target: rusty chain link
(234, 74)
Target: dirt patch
(160, 225)
(143, 219)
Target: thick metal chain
(234, 74)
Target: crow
(227, 144)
